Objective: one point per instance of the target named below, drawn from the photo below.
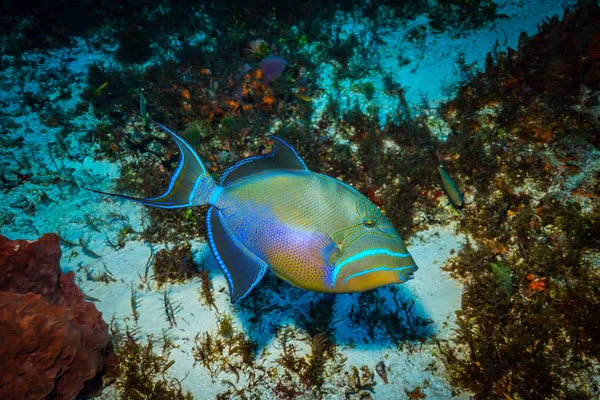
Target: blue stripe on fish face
(363, 254)
(382, 268)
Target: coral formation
(31, 267)
(54, 342)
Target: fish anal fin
(242, 269)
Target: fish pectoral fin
(242, 268)
(322, 246)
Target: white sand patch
(429, 66)
(437, 293)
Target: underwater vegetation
(173, 266)
(530, 268)
(230, 355)
(139, 369)
(465, 13)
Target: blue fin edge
(180, 144)
(151, 201)
(273, 152)
(222, 265)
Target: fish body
(271, 212)
(302, 96)
(100, 88)
(311, 224)
(451, 188)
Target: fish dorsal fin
(241, 267)
(282, 157)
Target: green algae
(174, 265)
(139, 372)
(530, 272)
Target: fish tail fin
(190, 185)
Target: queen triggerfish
(271, 212)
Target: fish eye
(369, 222)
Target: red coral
(373, 193)
(53, 341)
(595, 47)
(536, 283)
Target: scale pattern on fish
(271, 212)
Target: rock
(53, 341)
(27, 266)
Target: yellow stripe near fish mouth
(363, 254)
(382, 268)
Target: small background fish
(451, 188)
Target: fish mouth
(407, 274)
(374, 252)
(403, 273)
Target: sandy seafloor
(432, 69)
